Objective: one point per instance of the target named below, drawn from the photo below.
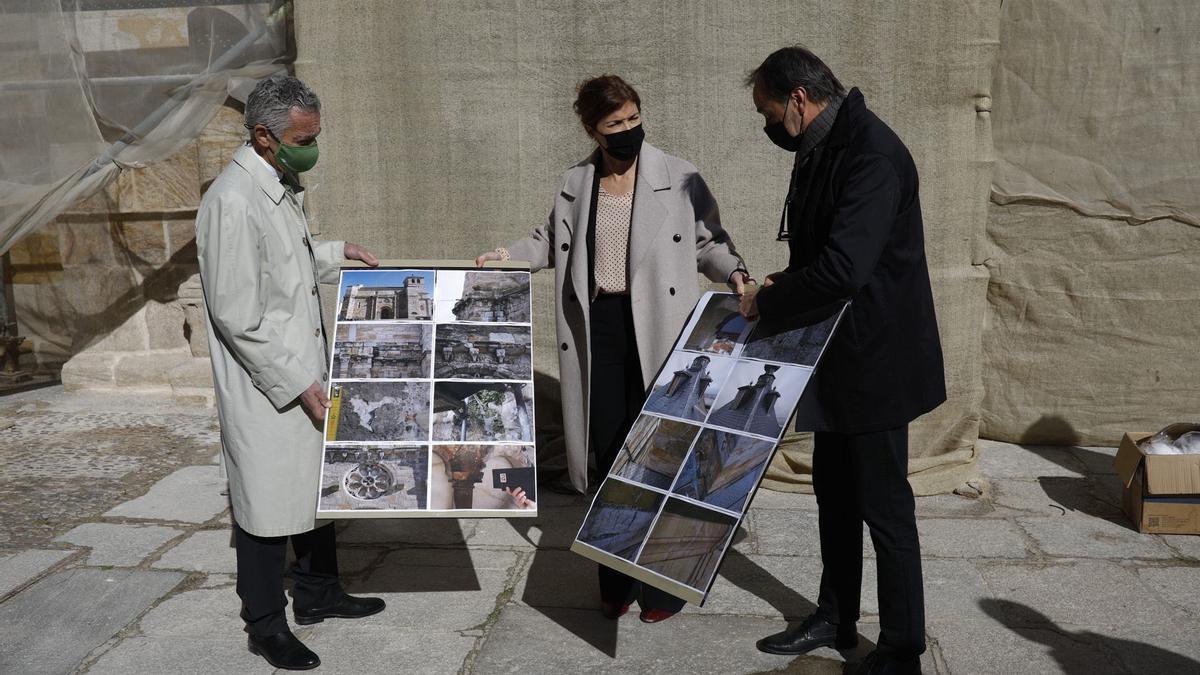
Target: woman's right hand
(486, 256)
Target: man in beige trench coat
(260, 266)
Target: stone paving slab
(959, 538)
(186, 656)
(1187, 545)
(551, 529)
(119, 545)
(988, 647)
(1004, 460)
(350, 647)
(406, 531)
(52, 626)
(1051, 496)
(1180, 586)
(203, 551)
(1082, 537)
(1082, 593)
(20, 567)
(190, 495)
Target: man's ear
(262, 137)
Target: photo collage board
(680, 486)
(431, 386)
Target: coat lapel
(649, 210)
(577, 188)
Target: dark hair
(791, 67)
(600, 96)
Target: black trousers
(864, 478)
(617, 394)
(260, 562)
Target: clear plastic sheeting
(88, 87)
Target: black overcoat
(856, 234)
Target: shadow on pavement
(1075, 651)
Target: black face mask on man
(778, 133)
(625, 145)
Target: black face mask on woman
(625, 145)
(779, 135)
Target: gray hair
(791, 67)
(271, 103)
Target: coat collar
(848, 119)
(652, 171)
(246, 158)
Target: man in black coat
(852, 220)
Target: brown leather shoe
(654, 615)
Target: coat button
(671, 290)
(324, 377)
(566, 247)
(677, 239)
(304, 240)
(317, 332)
(314, 290)
(564, 346)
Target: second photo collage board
(712, 418)
(431, 385)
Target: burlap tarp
(447, 125)
(1092, 244)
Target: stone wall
(109, 291)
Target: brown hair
(600, 96)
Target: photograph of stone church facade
(412, 300)
(654, 450)
(496, 297)
(687, 543)
(619, 518)
(382, 351)
(723, 468)
(483, 411)
(372, 477)
(483, 352)
(752, 407)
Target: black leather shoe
(883, 663)
(813, 632)
(283, 650)
(345, 607)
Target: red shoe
(612, 610)
(653, 615)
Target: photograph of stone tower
(758, 398)
(718, 326)
(619, 518)
(382, 351)
(723, 469)
(482, 296)
(687, 385)
(653, 451)
(384, 295)
(483, 411)
(483, 352)
(788, 343)
(687, 543)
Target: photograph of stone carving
(619, 518)
(382, 351)
(484, 296)
(687, 543)
(482, 352)
(460, 477)
(374, 477)
(758, 398)
(717, 327)
(653, 451)
(723, 468)
(379, 411)
(482, 411)
(688, 385)
(383, 295)
(788, 343)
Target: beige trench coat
(675, 232)
(259, 267)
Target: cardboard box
(1162, 492)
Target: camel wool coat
(675, 231)
(259, 267)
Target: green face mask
(297, 158)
